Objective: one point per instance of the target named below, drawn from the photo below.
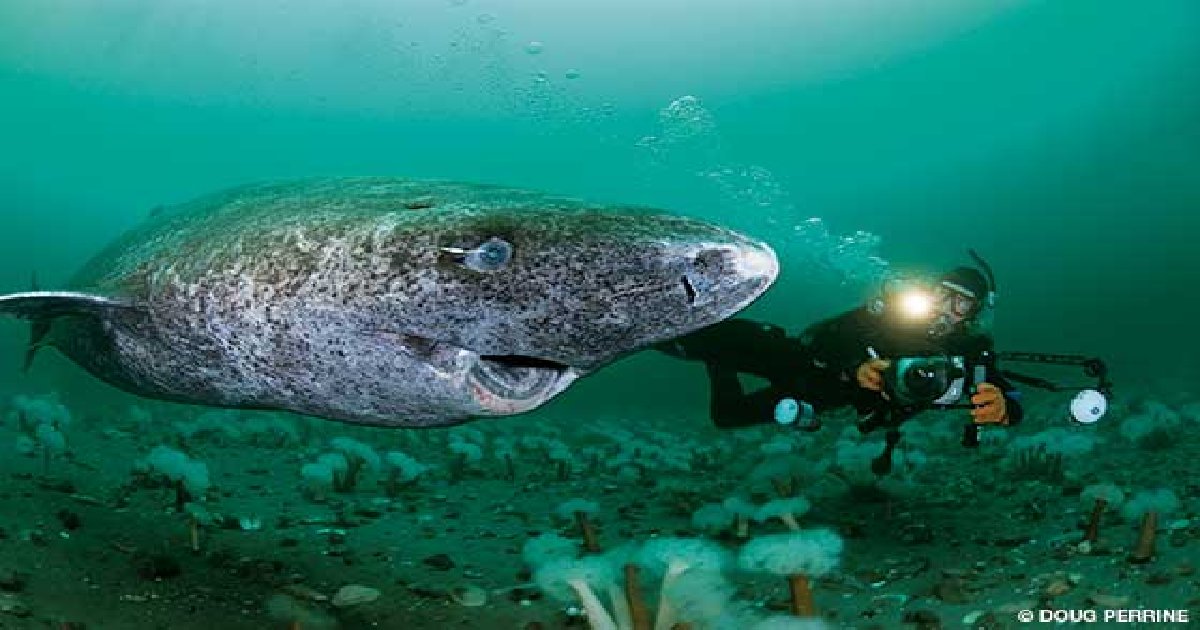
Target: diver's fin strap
(47, 305)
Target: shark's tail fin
(41, 308)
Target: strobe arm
(1092, 367)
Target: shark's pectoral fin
(41, 308)
(47, 305)
(37, 337)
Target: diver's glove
(990, 405)
(870, 375)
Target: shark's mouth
(507, 384)
(499, 384)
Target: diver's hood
(908, 300)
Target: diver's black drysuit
(819, 367)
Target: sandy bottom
(969, 535)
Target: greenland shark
(386, 301)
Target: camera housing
(943, 381)
(946, 381)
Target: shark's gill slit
(689, 290)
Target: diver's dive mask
(956, 301)
(963, 296)
(954, 305)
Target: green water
(1059, 138)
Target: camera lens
(925, 380)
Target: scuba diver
(876, 358)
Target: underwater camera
(946, 382)
(933, 381)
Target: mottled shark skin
(351, 298)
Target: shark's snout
(757, 262)
(717, 273)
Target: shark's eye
(492, 255)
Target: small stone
(34, 537)
(157, 567)
(441, 562)
(469, 595)
(1109, 601)
(1013, 608)
(524, 595)
(916, 534)
(1062, 553)
(951, 591)
(57, 485)
(69, 520)
(10, 605)
(424, 592)
(889, 600)
(86, 500)
(307, 593)
(923, 619)
(1159, 578)
(354, 595)
(988, 621)
(12, 581)
(1056, 587)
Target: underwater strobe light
(1090, 403)
(1088, 406)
